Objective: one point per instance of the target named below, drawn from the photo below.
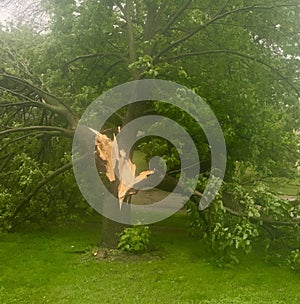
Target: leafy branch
(41, 184)
(53, 103)
(88, 56)
(235, 53)
(217, 17)
(263, 219)
(65, 132)
(175, 17)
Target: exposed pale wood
(114, 160)
(105, 152)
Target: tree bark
(111, 229)
(109, 233)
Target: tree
(241, 57)
(29, 13)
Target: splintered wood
(116, 160)
(105, 152)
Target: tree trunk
(109, 233)
(111, 229)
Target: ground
(57, 265)
(64, 265)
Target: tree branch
(264, 220)
(161, 8)
(27, 104)
(131, 37)
(221, 10)
(53, 102)
(231, 52)
(15, 140)
(218, 16)
(256, 219)
(65, 132)
(21, 96)
(47, 96)
(111, 67)
(6, 160)
(88, 56)
(40, 185)
(175, 16)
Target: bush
(239, 216)
(135, 239)
(24, 203)
(294, 260)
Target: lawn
(55, 265)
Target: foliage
(239, 216)
(21, 205)
(240, 56)
(134, 239)
(294, 260)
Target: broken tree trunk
(119, 171)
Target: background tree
(240, 56)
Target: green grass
(42, 267)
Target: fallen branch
(65, 132)
(256, 219)
(42, 183)
(53, 103)
(264, 220)
(15, 140)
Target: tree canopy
(240, 56)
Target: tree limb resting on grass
(264, 220)
(42, 183)
(256, 219)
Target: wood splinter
(116, 160)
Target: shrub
(134, 239)
(294, 260)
